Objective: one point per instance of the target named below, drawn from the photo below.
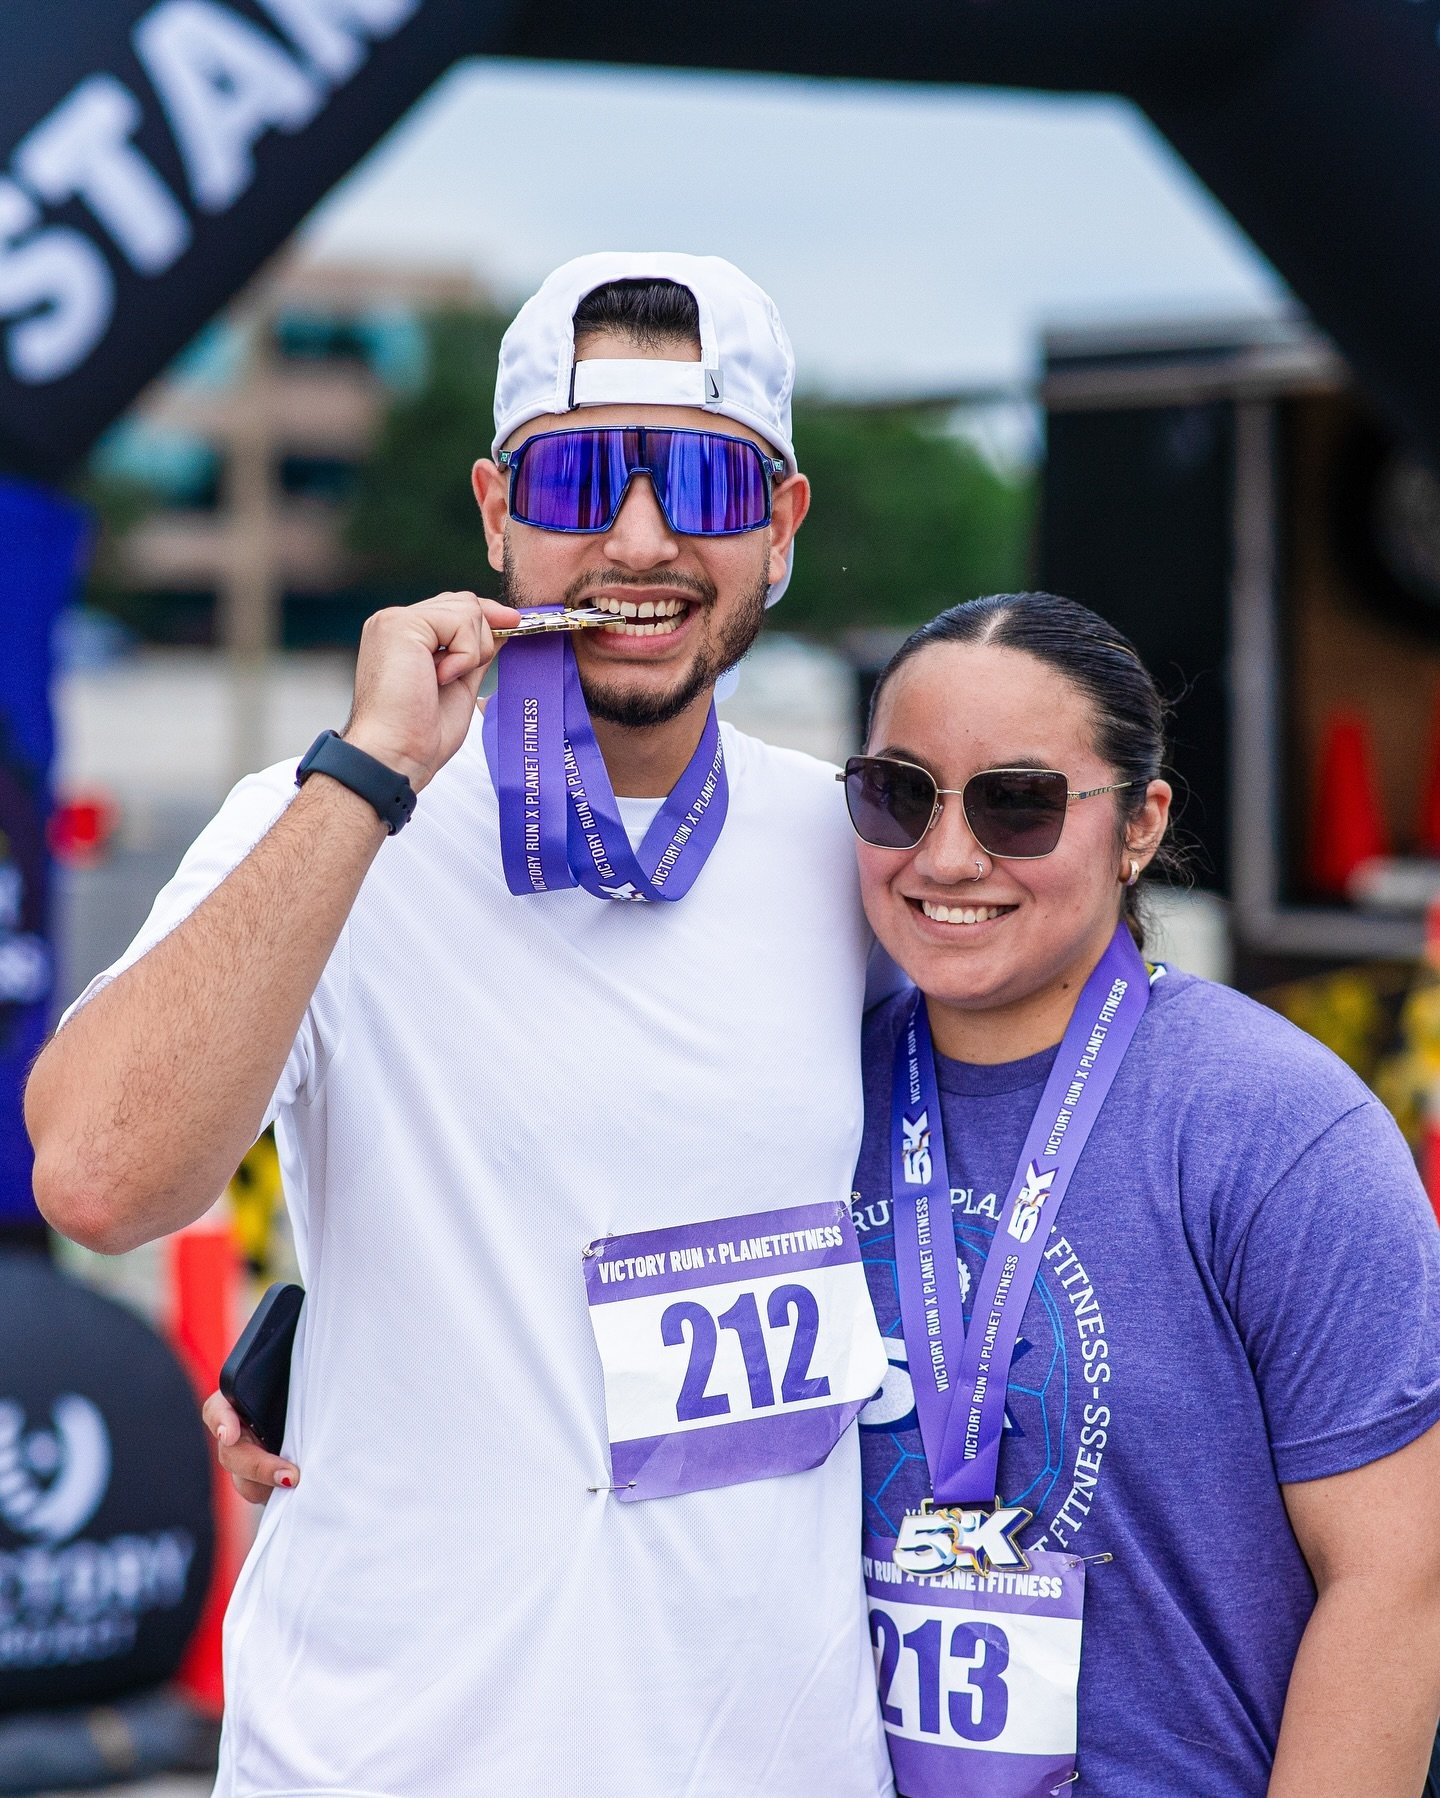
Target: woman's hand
(254, 1471)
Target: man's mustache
(688, 586)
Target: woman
(1202, 1363)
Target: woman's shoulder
(1244, 1087)
(1220, 1038)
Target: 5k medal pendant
(940, 1539)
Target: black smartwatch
(390, 793)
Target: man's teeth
(648, 618)
(961, 914)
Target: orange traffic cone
(205, 1276)
(1427, 834)
(1348, 828)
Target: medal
(573, 618)
(940, 1539)
(560, 824)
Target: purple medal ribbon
(960, 1377)
(560, 825)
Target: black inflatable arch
(156, 151)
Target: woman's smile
(965, 914)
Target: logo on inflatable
(52, 1481)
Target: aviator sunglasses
(1014, 813)
(707, 485)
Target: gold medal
(573, 618)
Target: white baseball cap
(746, 369)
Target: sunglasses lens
(1013, 811)
(890, 804)
(572, 480)
(708, 484)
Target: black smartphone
(256, 1374)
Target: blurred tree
(117, 504)
(907, 517)
(413, 518)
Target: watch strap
(389, 793)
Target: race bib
(977, 1675)
(735, 1350)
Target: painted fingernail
(284, 1479)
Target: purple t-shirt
(1242, 1287)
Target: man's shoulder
(248, 810)
(790, 770)
(788, 803)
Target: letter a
(223, 83)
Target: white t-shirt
(481, 1085)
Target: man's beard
(644, 710)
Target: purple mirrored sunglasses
(706, 484)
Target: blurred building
(242, 456)
(1230, 498)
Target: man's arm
(142, 1106)
(1364, 1694)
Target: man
(476, 1089)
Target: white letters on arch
(336, 34)
(83, 148)
(222, 83)
(59, 287)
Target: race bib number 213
(978, 1674)
(734, 1350)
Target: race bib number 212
(734, 1350)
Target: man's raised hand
(417, 678)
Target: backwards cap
(746, 370)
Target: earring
(1134, 873)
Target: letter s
(59, 286)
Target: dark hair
(649, 313)
(1129, 711)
